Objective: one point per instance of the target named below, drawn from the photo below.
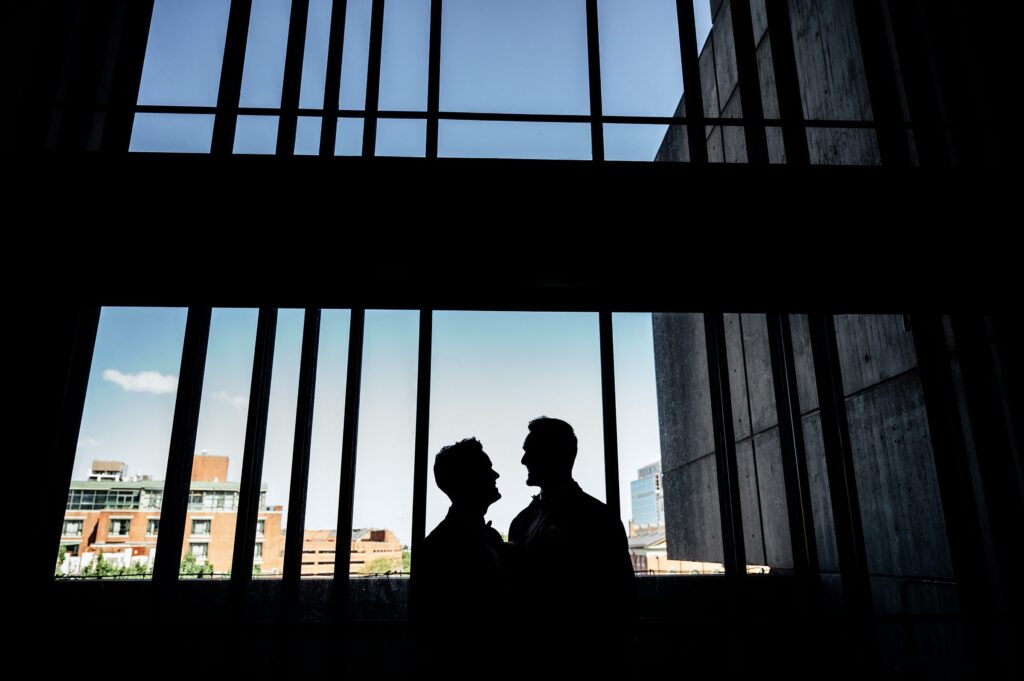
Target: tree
(62, 553)
(190, 566)
(406, 561)
(136, 570)
(381, 566)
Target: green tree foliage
(191, 567)
(62, 553)
(381, 566)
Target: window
(201, 527)
(152, 500)
(129, 408)
(152, 527)
(223, 412)
(73, 528)
(677, 353)
(123, 499)
(280, 435)
(504, 58)
(523, 363)
(119, 527)
(97, 500)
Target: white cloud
(143, 382)
(239, 402)
(89, 443)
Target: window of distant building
(152, 499)
(213, 501)
(200, 550)
(258, 556)
(201, 527)
(152, 526)
(120, 527)
(261, 526)
(123, 498)
(73, 528)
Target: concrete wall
(901, 510)
(830, 75)
(899, 497)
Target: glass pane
(642, 142)
(382, 514)
(494, 372)
(307, 136)
(320, 534)
(528, 56)
(184, 52)
(116, 493)
(763, 500)
(488, 139)
(636, 409)
(675, 145)
(172, 133)
(280, 442)
(817, 473)
(693, 526)
(220, 441)
(263, 75)
(349, 140)
(401, 137)
(893, 459)
(405, 55)
(356, 54)
(314, 59)
(702, 21)
(640, 68)
(256, 135)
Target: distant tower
(647, 500)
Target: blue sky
(492, 373)
(527, 56)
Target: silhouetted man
(575, 575)
(461, 596)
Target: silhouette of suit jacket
(460, 587)
(574, 574)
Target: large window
(544, 79)
(119, 527)
(121, 452)
(73, 528)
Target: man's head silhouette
(463, 471)
(549, 452)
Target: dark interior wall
(532, 235)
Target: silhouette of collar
(465, 518)
(548, 499)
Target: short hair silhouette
(450, 465)
(557, 437)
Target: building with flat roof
(372, 551)
(118, 517)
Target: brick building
(118, 516)
(367, 545)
